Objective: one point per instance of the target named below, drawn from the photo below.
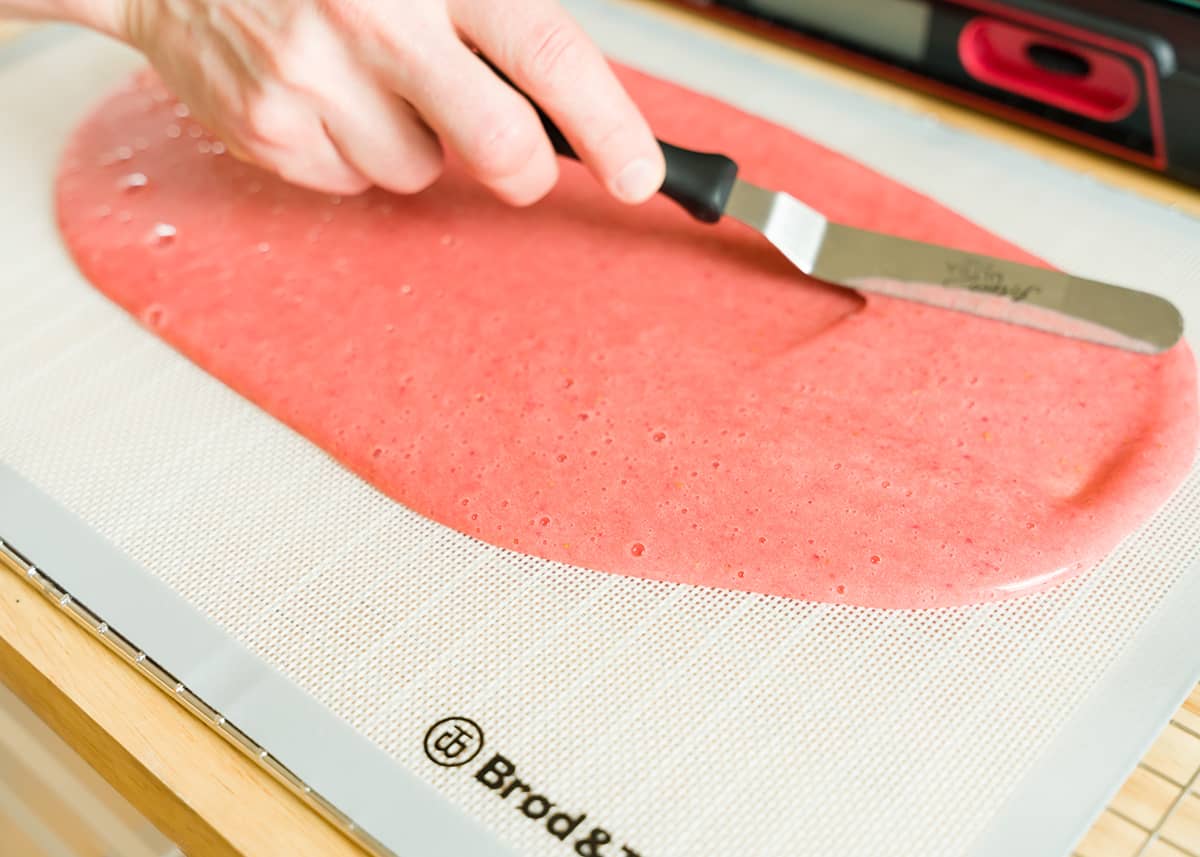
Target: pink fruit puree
(627, 390)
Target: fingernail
(637, 182)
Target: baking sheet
(686, 721)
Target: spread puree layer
(627, 390)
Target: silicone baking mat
(282, 598)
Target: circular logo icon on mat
(453, 741)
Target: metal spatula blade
(707, 186)
(1048, 300)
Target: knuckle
(292, 173)
(292, 49)
(612, 135)
(530, 193)
(327, 178)
(415, 176)
(252, 151)
(266, 119)
(554, 50)
(503, 146)
(349, 184)
(527, 188)
(293, 70)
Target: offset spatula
(708, 187)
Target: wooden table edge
(195, 787)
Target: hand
(340, 95)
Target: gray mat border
(1071, 783)
(394, 807)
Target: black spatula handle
(698, 181)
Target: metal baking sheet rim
(381, 804)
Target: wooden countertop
(207, 797)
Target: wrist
(105, 16)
